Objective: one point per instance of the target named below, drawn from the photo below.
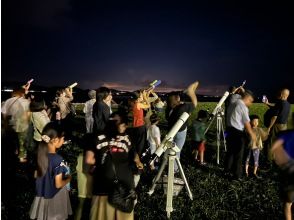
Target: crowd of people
(115, 141)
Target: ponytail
(42, 159)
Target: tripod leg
(157, 177)
(184, 178)
(209, 125)
(170, 185)
(223, 132)
(218, 137)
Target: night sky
(128, 44)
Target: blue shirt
(288, 139)
(45, 185)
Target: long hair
(52, 130)
(38, 104)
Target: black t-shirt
(101, 114)
(172, 115)
(119, 156)
(282, 111)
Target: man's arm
(273, 120)
(250, 131)
(269, 104)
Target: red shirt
(138, 116)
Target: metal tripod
(220, 132)
(170, 157)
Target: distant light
(7, 90)
(44, 91)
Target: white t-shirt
(153, 133)
(18, 109)
(39, 120)
(88, 108)
(238, 116)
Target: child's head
(202, 114)
(139, 95)
(254, 120)
(53, 134)
(154, 119)
(52, 137)
(117, 124)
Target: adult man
(175, 109)
(16, 117)
(237, 121)
(64, 103)
(280, 116)
(101, 109)
(88, 110)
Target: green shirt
(198, 130)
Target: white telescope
(167, 141)
(220, 103)
(73, 85)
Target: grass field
(214, 196)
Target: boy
(153, 134)
(255, 146)
(198, 136)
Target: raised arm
(191, 92)
(250, 131)
(154, 98)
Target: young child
(153, 134)
(255, 147)
(52, 199)
(198, 136)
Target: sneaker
(202, 163)
(257, 177)
(23, 160)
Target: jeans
(180, 139)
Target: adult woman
(101, 109)
(39, 118)
(111, 148)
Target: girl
(39, 118)
(139, 128)
(116, 142)
(52, 199)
